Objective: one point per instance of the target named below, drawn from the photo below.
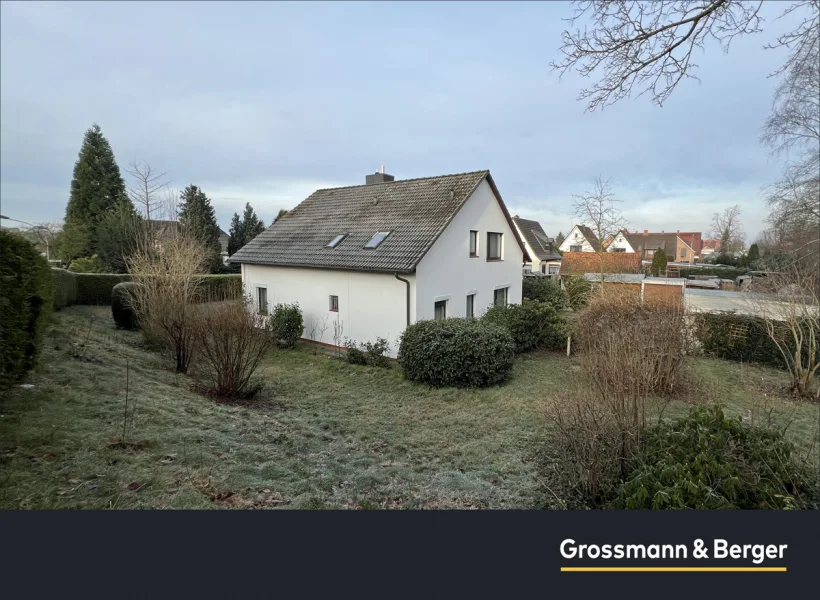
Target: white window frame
(506, 289)
(474, 254)
(330, 303)
(444, 303)
(258, 301)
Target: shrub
(95, 288)
(544, 290)
(122, 305)
(65, 288)
(26, 301)
(231, 346)
(286, 324)
(737, 337)
(531, 323)
(713, 272)
(457, 352)
(707, 461)
(369, 353)
(659, 262)
(86, 264)
(576, 290)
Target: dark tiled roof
(590, 236)
(542, 245)
(578, 263)
(415, 211)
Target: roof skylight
(336, 241)
(377, 239)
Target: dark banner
(396, 554)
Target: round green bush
(286, 324)
(545, 290)
(26, 301)
(707, 460)
(532, 323)
(457, 352)
(122, 302)
(86, 264)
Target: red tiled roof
(578, 263)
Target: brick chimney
(379, 177)
(646, 232)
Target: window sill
(334, 310)
(495, 260)
(473, 255)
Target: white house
(580, 239)
(541, 248)
(377, 257)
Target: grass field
(325, 434)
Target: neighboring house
(377, 257)
(541, 248)
(710, 248)
(162, 228)
(646, 244)
(580, 239)
(614, 263)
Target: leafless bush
(631, 352)
(338, 335)
(168, 281)
(316, 331)
(231, 344)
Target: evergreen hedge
(122, 298)
(737, 337)
(457, 352)
(544, 289)
(532, 324)
(730, 273)
(65, 288)
(26, 301)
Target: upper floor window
(494, 246)
(683, 252)
(377, 239)
(500, 297)
(575, 248)
(619, 249)
(473, 243)
(440, 310)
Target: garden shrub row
(457, 352)
(26, 301)
(737, 337)
(729, 273)
(95, 288)
(532, 324)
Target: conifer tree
(197, 217)
(97, 188)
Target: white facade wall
(620, 242)
(371, 305)
(576, 238)
(447, 272)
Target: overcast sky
(265, 102)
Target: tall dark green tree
(96, 189)
(245, 229)
(659, 262)
(754, 254)
(197, 217)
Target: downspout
(407, 283)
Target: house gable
(580, 235)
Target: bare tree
(726, 227)
(597, 209)
(46, 234)
(148, 191)
(792, 319)
(647, 47)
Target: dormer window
(336, 241)
(377, 239)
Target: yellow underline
(674, 569)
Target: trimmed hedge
(730, 273)
(531, 323)
(737, 337)
(26, 301)
(65, 288)
(95, 288)
(457, 352)
(709, 461)
(122, 305)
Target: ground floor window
(470, 305)
(334, 303)
(554, 269)
(543, 267)
(262, 300)
(500, 297)
(440, 311)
